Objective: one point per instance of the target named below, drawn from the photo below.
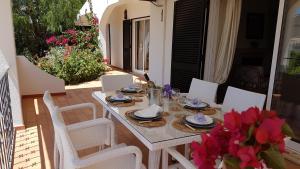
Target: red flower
(222, 137)
(248, 157)
(71, 32)
(206, 153)
(51, 40)
(270, 131)
(250, 116)
(232, 121)
(234, 143)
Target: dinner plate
(118, 99)
(130, 90)
(141, 116)
(209, 126)
(191, 119)
(158, 116)
(199, 106)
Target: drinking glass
(175, 94)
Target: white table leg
(187, 150)
(154, 159)
(164, 160)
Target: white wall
(157, 46)
(99, 7)
(134, 10)
(42, 81)
(7, 48)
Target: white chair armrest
(180, 158)
(96, 122)
(80, 106)
(102, 156)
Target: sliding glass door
(141, 38)
(286, 87)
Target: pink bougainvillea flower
(206, 153)
(248, 157)
(270, 131)
(232, 121)
(250, 116)
(51, 40)
(71, 31)
(234, 143)
(64, 41)
(222, 137)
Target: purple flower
(167, 90)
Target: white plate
(120, 98)
(192, 119)
(141, 115)
(199, 105)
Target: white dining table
(155, 139)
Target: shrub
(82, 64)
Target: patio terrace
(34, 145)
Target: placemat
(205, 111)
(120, 104)
(140, 94)
(156, 123)
(180, 125)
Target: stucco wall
(8, 50)
(134, 10)
(157, 46)
(33, 80)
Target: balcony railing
(7, 132)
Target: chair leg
(164, 160)
(187, 151)
(56, 156)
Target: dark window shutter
(189, 42)
(127, 40)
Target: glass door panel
(286, 92)
(141, 45)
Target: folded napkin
(149, 112)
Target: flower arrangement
(246, 140)
(167, 91)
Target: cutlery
(190, 127)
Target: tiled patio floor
(34, 145)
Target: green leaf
(231, 162)
(286, 129)
(273, 159)
(250, 132)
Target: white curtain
(221, 45)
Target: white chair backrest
(115, 82)
(240, 100)
(204, 90)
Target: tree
(34, 20)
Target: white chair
(114, 82)
(183, 163)
(240, 100)
(204, 90)
(92, 133)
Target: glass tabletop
(156, 134)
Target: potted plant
(252, 139)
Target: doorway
(253, 56)
(141, 41)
